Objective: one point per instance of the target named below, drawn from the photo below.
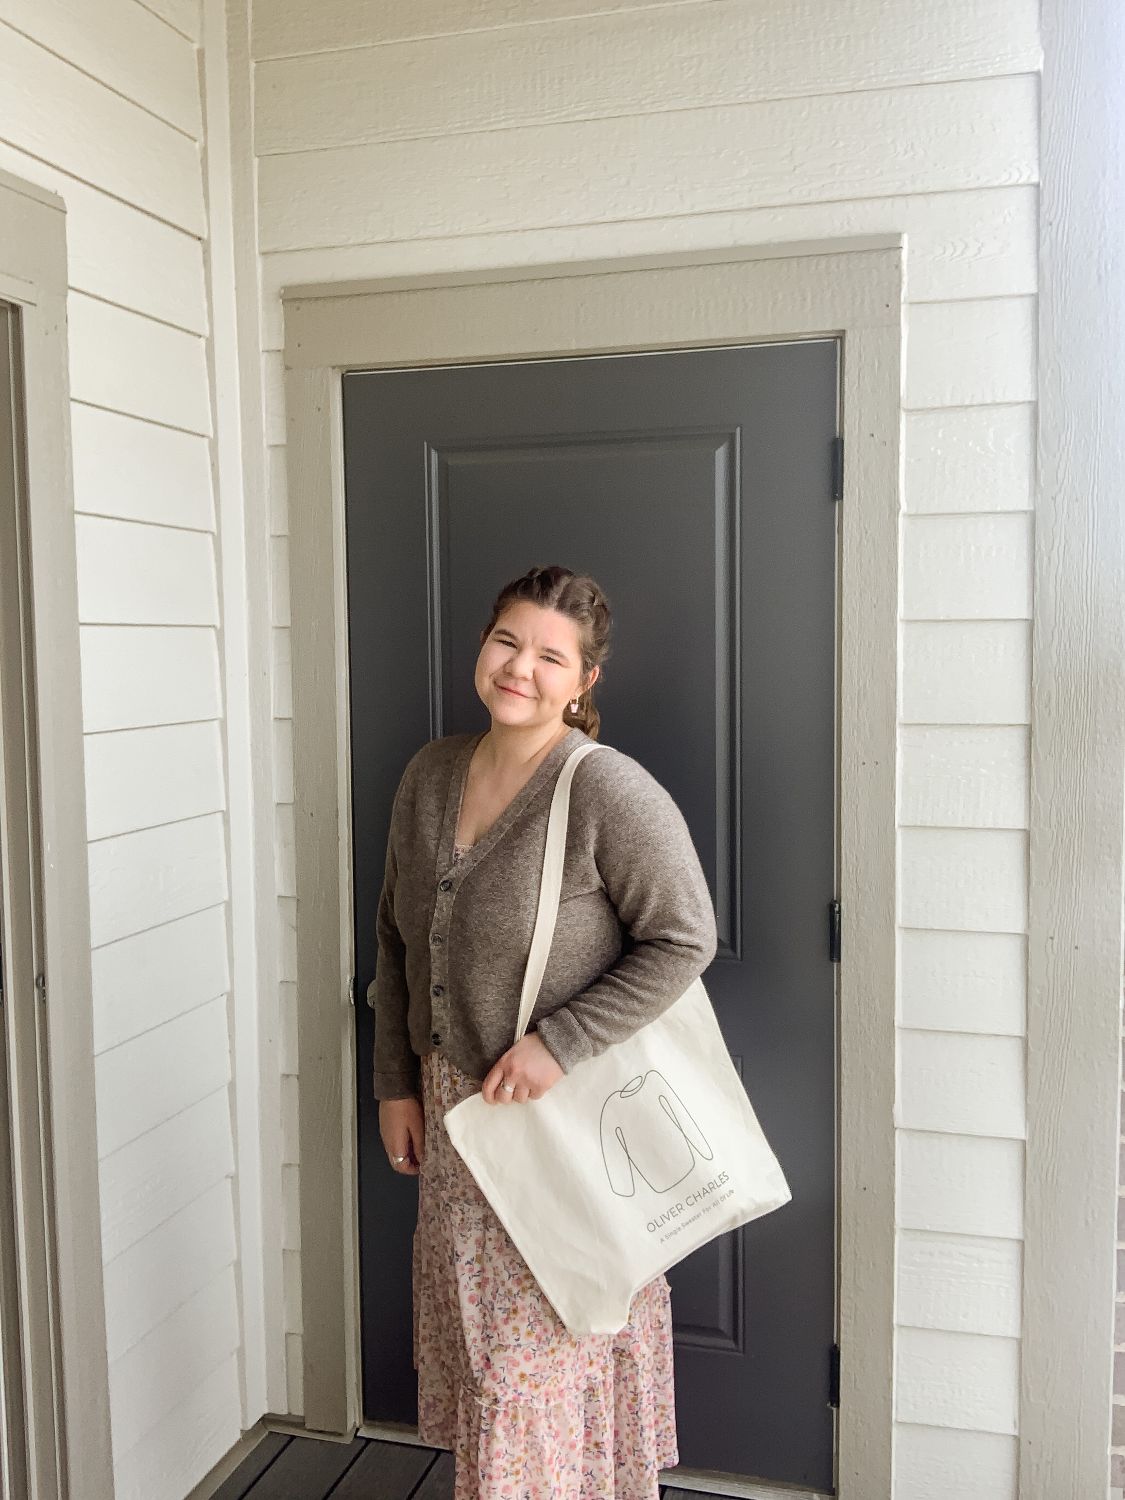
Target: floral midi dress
(529, 1411)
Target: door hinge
(351, 989)
(834, 932)
(837, 468)
(834, 1375)
(41, 986)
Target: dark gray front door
(696, 487)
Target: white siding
(618, 64)
(978, 134)
(441, 135)
(115, 458)
(61, 115)
(101, 104)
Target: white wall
(450, 134)
(100, 101)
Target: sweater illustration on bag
(647, 1129)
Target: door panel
(695, 486)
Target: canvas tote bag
(634, 1158)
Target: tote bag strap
(550, 886)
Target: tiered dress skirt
(529, 1411)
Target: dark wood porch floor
(295, 1468)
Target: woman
(529, 1411)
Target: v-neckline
(552, 761)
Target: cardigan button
(436, 937)
(438, 989)
(435, 1037)
(445, 885)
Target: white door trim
(695, 300)
(75, 1414)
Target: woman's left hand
(529, 1066)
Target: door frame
(55, 1110)
(852, 290)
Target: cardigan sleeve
(651, 872)
(396, 1070)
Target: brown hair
(581, 599)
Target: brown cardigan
(635, 925)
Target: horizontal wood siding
(933, 1463)
(975, 134)
(953, 981)
(115, 458)
(441, 136)
(140, 880)
(961, 1283)
(280, 27)
(102, 105)
(963, 1380)
(158, 974)
(964, 776)
(131, 573)
(114, 353)
(973, 458)
(156, 1174)
(135, 55)
(961, 1184)
(135, 675)
(59, 114)
(958, 672)
(161, 1370)
(144, 1081)
(123, 796)
(188, 1251)
(608, 67)
(120, 253)
(167, 1459)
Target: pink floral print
(529, 1411)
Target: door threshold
(701, 1481)
(705, 1482)
(391, 1432)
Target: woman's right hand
(402, 1125)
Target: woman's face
(529, 668)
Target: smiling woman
(533, 652)
(501, 1381)
(528, 675)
